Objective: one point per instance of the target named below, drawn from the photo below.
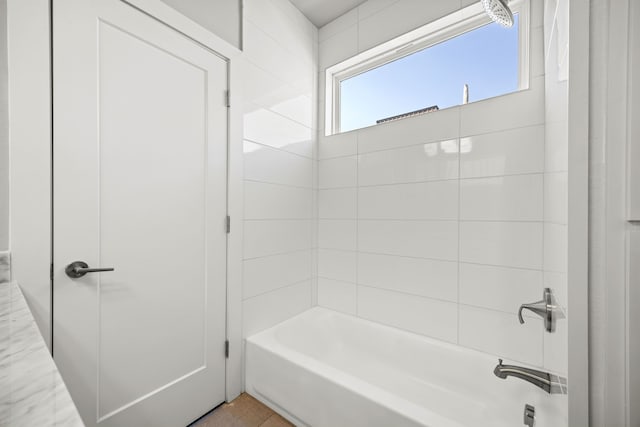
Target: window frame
(445, 28)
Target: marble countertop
(32, 392)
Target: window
(463, 57)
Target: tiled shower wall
(279, 76)
(436, 224)
(556, 42)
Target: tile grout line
(281, 150)
(414, 220)
(267, 108)
(528, 127)
(503, 266)
(434, 180)
(257, 181)
(290, 285)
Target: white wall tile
(557, 281)
(322, 94)
(556, 349)
(338, 25)
(556, 197)
(314, 291)
(499, 288)
(297, 19)
(405, 191)
(279, 69)
(339, 172)
(261, 49)
(428, 200)
(503, 198)
(339, 296)
(405, 15)
(555, 247)
(515, 110)
(266, 310)
(370, 7)
(315, 172)
(438, 126)
(273, 201)
(265, 274)
(338, 145)
(424, 239)
(509, 152)
(270, 237)
(501, 334)
(298, 107)
(259, 86)
(537, 13)
(266, 164)
(337, 234)
(556, 187)
(424, 277)
(536, 57)
(557, 146)
(272, 129)
(262, 89)
(509, 244)
(337, 265)
(556, 101)
(338, 47)
(549, 15)
(434, 318)
(427, 162)
(337, 203)
(294, 35)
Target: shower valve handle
(546, 308)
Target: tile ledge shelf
(32, 391)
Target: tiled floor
(244, 411)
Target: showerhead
(499, 12)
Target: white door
(140, 186)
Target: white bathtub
(323, 368)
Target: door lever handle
(546, 308)
(78, 269)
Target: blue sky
(486, 59)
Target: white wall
(436, 224)
(280, 47)
(633, 180)
(4, 131)
(221, 17)
(30, 142)
(609, 231)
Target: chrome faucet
(550, 383)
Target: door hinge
(228, 224)
(51, 271)
(228, 98)
(226, 349)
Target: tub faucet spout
(552, 384)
